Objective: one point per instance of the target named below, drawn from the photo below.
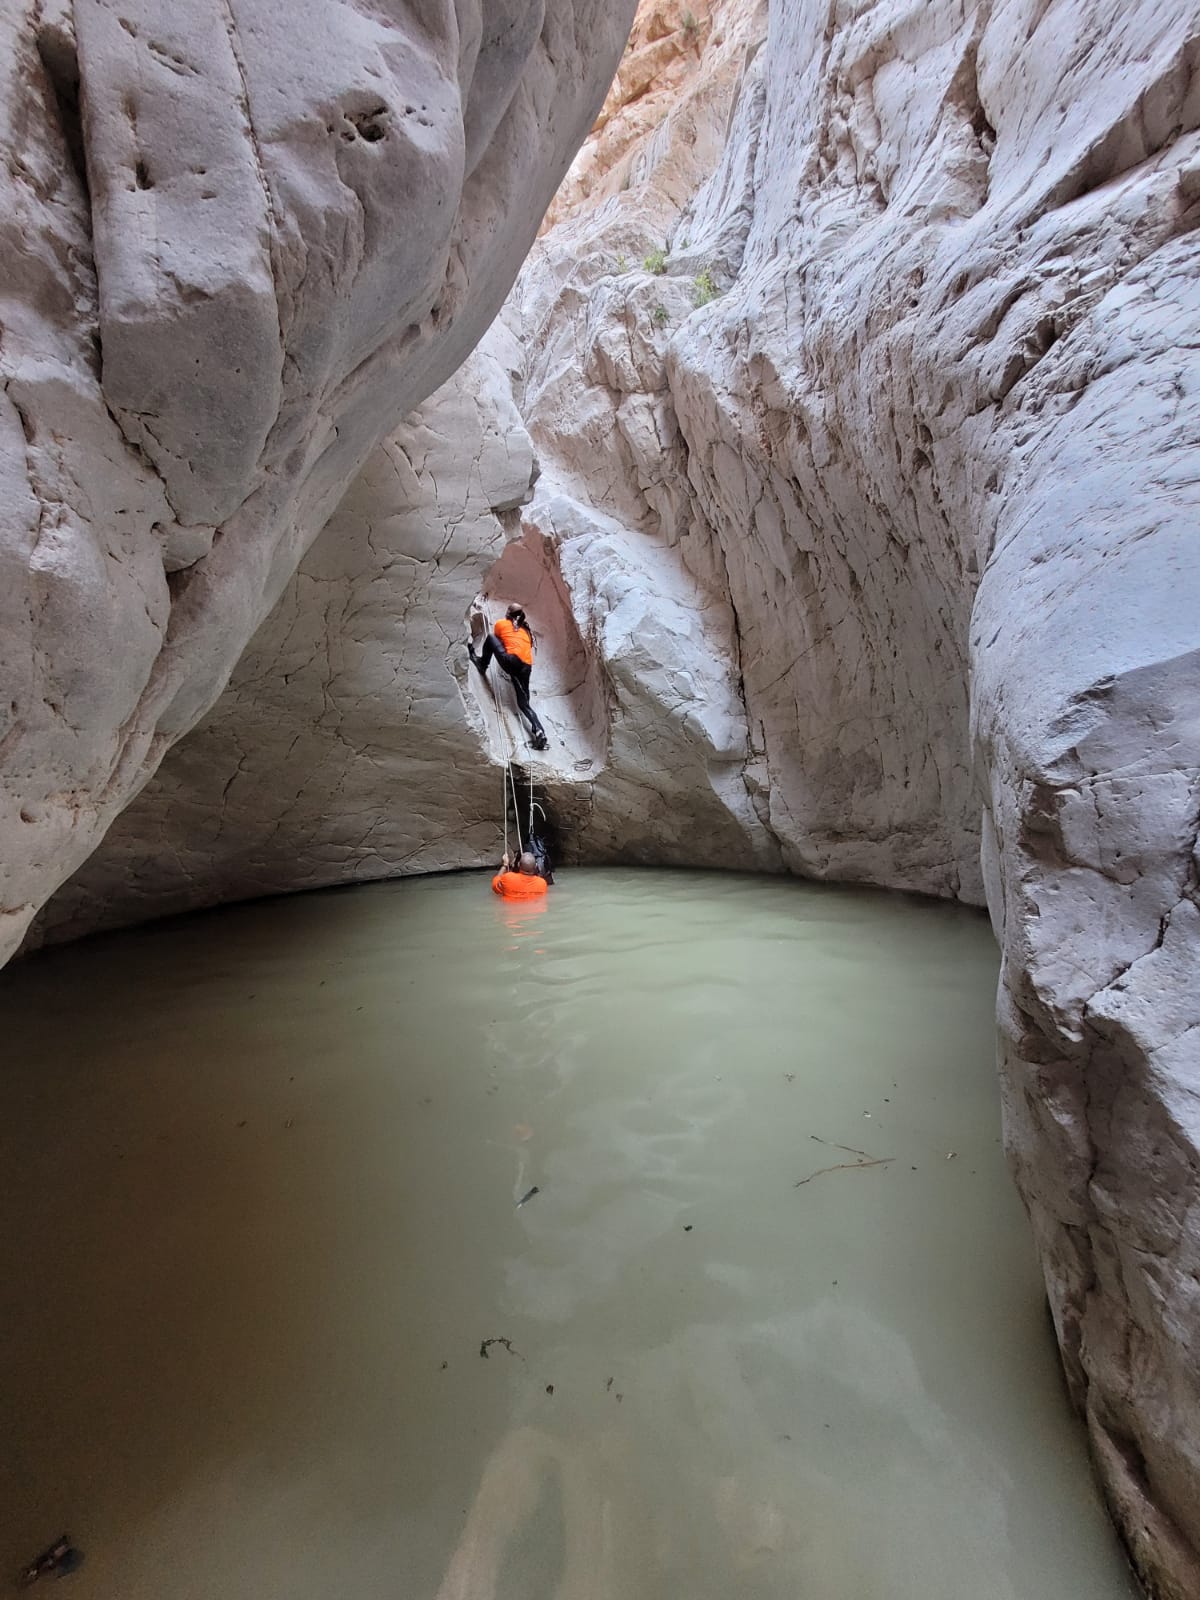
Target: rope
(516, 808)
(507, 780)
(504, 804)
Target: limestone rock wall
(671, 51)
(938, 428)
(936, 425)
(340, 748)
(210, 317)
(698, 422)
(960, 348)
(958, 351)
(353, 741)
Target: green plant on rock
(660, 315)
(704, 287)
(656, 262)
(691, 28)
(622, 264)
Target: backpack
(538, 849)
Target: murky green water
(261, 1175)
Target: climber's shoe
(475, 661)
(539, 741)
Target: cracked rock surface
(860, 366)
(208, 320)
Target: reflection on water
(264, 1182)
(519, 919)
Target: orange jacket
(518, 885)
(515, 640)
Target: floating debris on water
(864, 1160)
(60, 1558)
(506, 1343)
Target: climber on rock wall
(510, 642)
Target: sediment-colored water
(262, 1172)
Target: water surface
(262, 1171)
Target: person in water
(511, 643)
(523, 884)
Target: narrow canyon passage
(277, 1322)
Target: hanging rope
(516, 808)
(508, 779)
(533, 806)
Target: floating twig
(846, 1166)
(831, 1144)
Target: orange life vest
(518, 885)
(515, 640)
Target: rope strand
(508, 780)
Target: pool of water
(774, 1326)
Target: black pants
(518, 673)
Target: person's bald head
(527, 864)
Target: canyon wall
(353, 742)
(959, 348)
(210, 318)
(840, 435)
(929, 403)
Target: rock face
(715, 447)
(672, 69)
(860, 367)
(339, 748)
(960, 340)
(210, 317)
(352, 742)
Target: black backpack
(538, 849)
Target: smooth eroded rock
(241, 241)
